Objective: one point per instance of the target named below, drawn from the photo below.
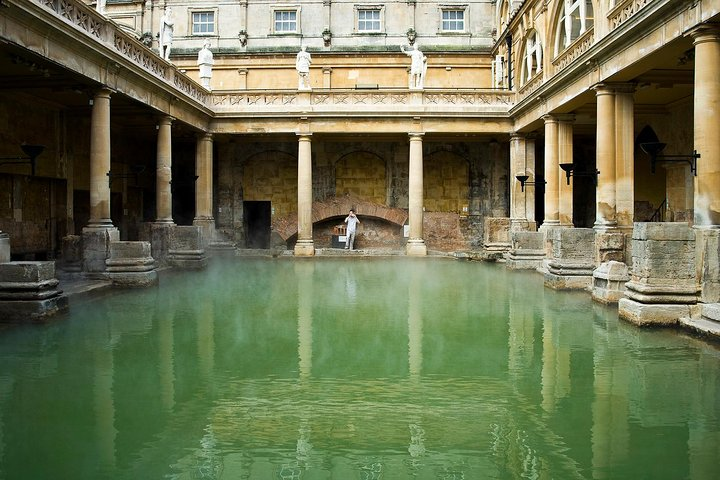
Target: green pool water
(354, 368)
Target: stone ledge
(645, 315)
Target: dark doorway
(257, 224)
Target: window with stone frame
(285, 21)
(203, 23)
(532, 57)
(574, 19)
(452, 19)
(369, 20)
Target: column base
(655, 314)
(608, 285)
(159, 235)
(4, 247)
(547, 225)
(96, 246)
(304, 248)
(207, 227)
(416, 247)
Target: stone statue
(205, 62)
(302, 65)
(418, 66)
(165, 37)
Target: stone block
(28, 292)
(609, 282)
(4, 247)
(644, 315)
(572, 262)
(96, 247)
(72, 254)
(708, 264)
(672, 231)
(527, 250)
(159, 236)
(609, 247)
(186, 248)
(131, 264)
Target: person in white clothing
(352, 222)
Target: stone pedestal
(28, 292)
(131, 264)
(72, 254)
(496, 237)
(609, 282)
(4, 247)
(207, 229)
(527, 250)
(416, 248)
(573, 258)
(158, 234)
(96, 247)
(186, 248)
(663, 286)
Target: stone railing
(101, 29)
(624, 10)
(380, 101)
(531, 86)
(577, 48)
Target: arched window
(503, 14)
(533, 57)
(576, 17)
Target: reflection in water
(444, 369)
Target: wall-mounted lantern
(569, 169)
(31, 152)
(654, 148)
(243, 36)
(539, 183)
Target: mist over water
(383, 368)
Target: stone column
(243, 73)
(565, 155)
(518, 197)
(99, 231)
(625, 156)
(327, 77)
(304, 245)
(552, 174)
(204, 187)
(163, 206)
(706, 127)
(606, 210)
(416, 245)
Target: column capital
(103, 92)
(550, 119)
(165, 120)
(603, 89)
(565, 117)
(416, 135)
(705, 33)
(304, 136)
(207, 136)
(518, 136)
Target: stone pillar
(625, 157)
(327, 77)
(606, 209)
(706, 127)
(204, 188)
(572, 259)
(663, 286)
(243, 72)
(416, 245)
(131, 265)
(163, 206)
(100, 231)
(552, 174)
(521, 199)
(565, 155)
(304, 245)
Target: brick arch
(336, 207)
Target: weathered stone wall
(458, 177)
